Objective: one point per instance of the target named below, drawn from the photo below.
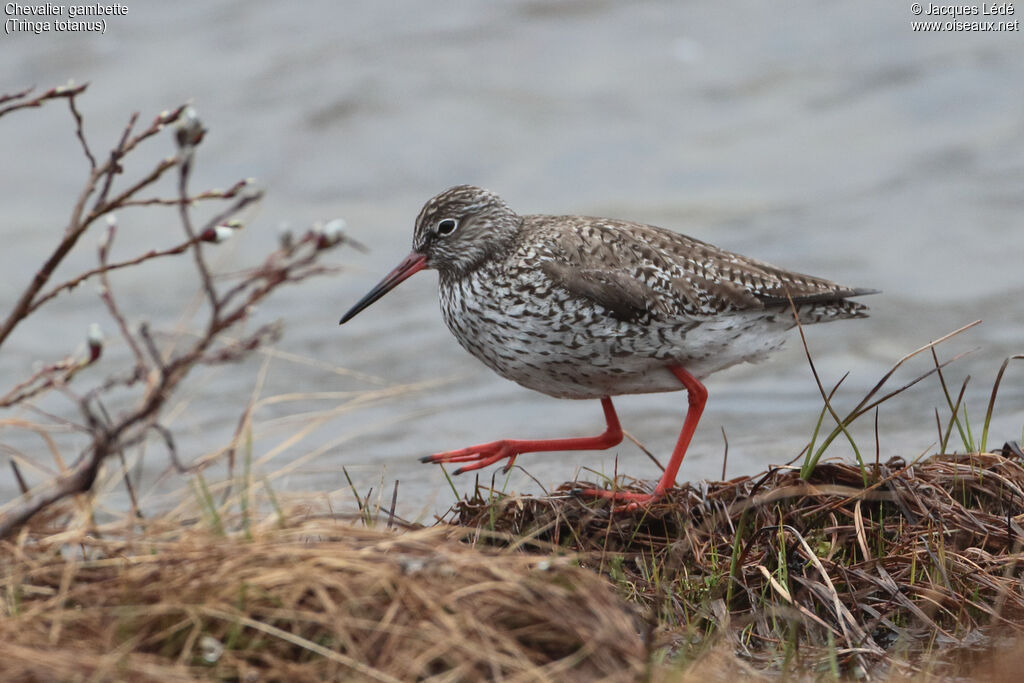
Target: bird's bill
(413, 263)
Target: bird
(580, 307)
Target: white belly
(565, 348)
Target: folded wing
(634, 270)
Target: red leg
(486, 454)
(698, 396)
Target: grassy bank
(757, 576)
(824, 576)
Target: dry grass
(308, 601)
(822, 576)
(916, 577)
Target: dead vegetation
(819, 575)
(917, 575)
(312, 600)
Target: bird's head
(462, 227)
(456, 232)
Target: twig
(163, 374)
(644, 449)
(113, 166)
(154, 353)
(65, 91)
(205, 195)
(45, 378)
(172, 451)
(80, 221)
(117, 265)
(108, 298)
(187, 140)
(81, 133)
(16, 95)
(22, 486)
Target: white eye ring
(446, 226)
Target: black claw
(427, 458)
(459, 471)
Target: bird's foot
(478, 456)
(626, 501)
(485, 454)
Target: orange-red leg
(697, 396)
(486, 454)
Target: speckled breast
(535, 333)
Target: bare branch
(229, 193)
(80, 132)
(50, 376)
(66, 91)
(79, 223)
(75, 480)
(81, 277)
(113, 166)
(10, 97)
(155, 376)
(189, 134)
(108, 298)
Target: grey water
(828, 138)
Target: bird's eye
(446, 226)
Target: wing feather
(633, 270)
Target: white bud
(190, 129)
(334, 229)
(108, 234)
(330, 233)
(222, 233)
(95, 335)
(95, 340)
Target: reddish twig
(108, 299)
(80, 220)
(155, 376)
(61, 91)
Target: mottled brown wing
(633, 269)
(625, 297)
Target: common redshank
(590, 308)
